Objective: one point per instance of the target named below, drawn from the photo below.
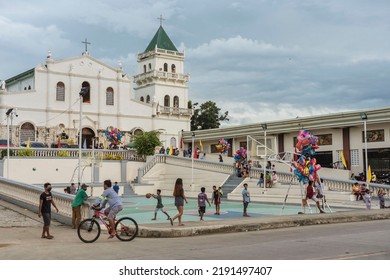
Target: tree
(207, 116)
(147, 143)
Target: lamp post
(192, 158)
(83, 92)
(264, 127)
(10, 112)
(364, 118)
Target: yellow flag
(28, 143)
(200, 145)
(369, 174)
(343, 159)
(170, 150)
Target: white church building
(47, 98)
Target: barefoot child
(159, 206)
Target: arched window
(167, 101)
(165, 67)
(60, 91)
(109, 96)
(173, 142)
(176, 102)
(142, 99)
(150, 66)
(27, 131)
(144, 68)
(148, 99)
(87, 95)
(173, 68)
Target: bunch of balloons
(114, 136)
(306, 167)
(241, 156)
(307, 143)
(222, 146)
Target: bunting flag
(343, 159)
(200, 145)
(28, 143)
(59, 143)
(181, 140)
(369, 174)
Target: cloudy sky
(259, 59)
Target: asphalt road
(349, 241)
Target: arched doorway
(27, 131)
(87, 138)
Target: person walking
(180, 197)
(159, 206)
(81, 196)
(202, 198)
(245, 199)
(45, 202)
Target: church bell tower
(161, 80)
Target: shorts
(46, 219)
(112, 211)
(179, 201)
(202, 209)
(314, 198)
(159, 209)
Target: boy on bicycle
(111, 197)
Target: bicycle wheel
(88, 230)
(126, 229)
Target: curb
(266, 223)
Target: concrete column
(123, 170)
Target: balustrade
(130, 155)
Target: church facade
(48, 104)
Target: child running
(159, 206)
(202, 198)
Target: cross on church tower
(86, 43)
(161, 19)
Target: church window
(165, 67)
(144, 68)
(173, 68)
(109, 96)
(60, 91)
(142, 99)
(27, 131)
(148, 99)
(167, 100)
(173, 142)
(87, 96)
(150, 66)
(176, 102)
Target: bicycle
(89, 229)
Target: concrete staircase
(230, 185)
(128, 191)
(277, 194)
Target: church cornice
(330, 121)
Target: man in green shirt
(76, 205)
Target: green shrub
(63, 154)
(25, 153)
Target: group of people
(180, 198)
(363, 193)
(109, 195)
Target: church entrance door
(87, 138)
